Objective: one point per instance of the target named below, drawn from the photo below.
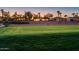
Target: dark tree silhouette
(48, 16)
(28, 15)
(39, 16)
(65, 18)
(58, 12)
(5, 17)
(73, 14)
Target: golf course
(39, 38)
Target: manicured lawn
(40, 38)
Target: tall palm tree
(39, 16)
(5, 14)
(28, 15)
(2, 11)
(73, 14)
(15, 15)
(5, 17)
(25, 15)
(65, 17)
(8, 16)
(58, 12)
(59, 15)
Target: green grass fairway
(40, 38)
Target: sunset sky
(43, 10)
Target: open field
(40, 38)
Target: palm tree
(65, 17)
(28, 15)
(39, 16)
(15, 15)
(59, 15)
(76, 15)
(5, 17)
(49, 16)
(73, 14)
(5, 14)
(2, 11)
(25, 15)
(58, 12)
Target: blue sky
(43, 10)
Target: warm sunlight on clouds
(43, 10)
